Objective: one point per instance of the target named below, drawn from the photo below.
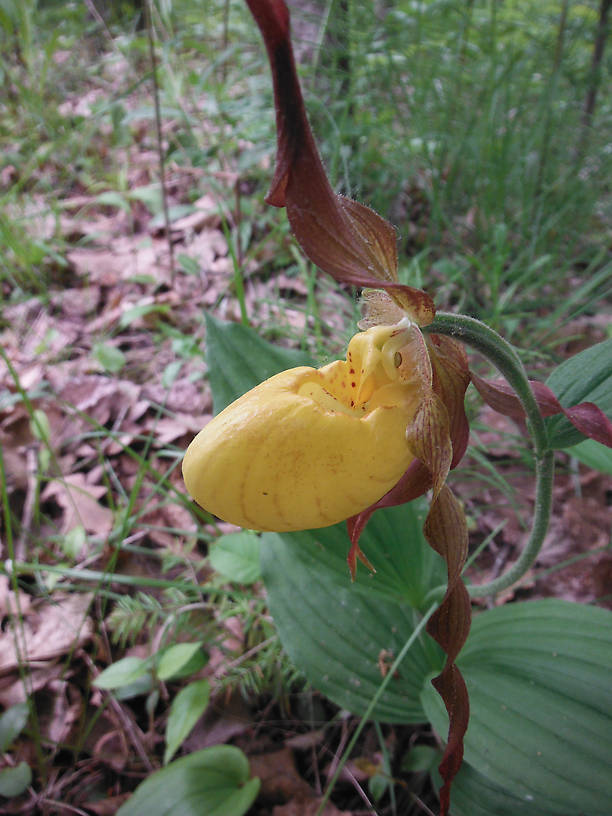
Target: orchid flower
(311, 447)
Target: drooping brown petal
(591, 421)
(428, 436)
(586, 417)
(446, 531)
(415, 482)
(342, 237)
(451, 377)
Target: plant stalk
(504, 357)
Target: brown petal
(378, 309)
(342, 237)
(501, 397)
(591, 421)
(586, 417)
(348, 240)
(414, 483)
(446, 530)
(441, 364)
(451, 687)
(451, 377)
(428, 437)
(293, 131)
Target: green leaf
(141, 685)
(235, 556)
(421, 758)
(122, 673)
(586, 377)
(73, 541)
(110, 357)
(538, 675)
(14, 781)
(335, 631)
(379, 783)
(214, 782)
(475, 795)
(40, 426)
(189, 265)
(150, 195)
(186, 709)
(12, 723)
(594, 455)
(174, 659)
(239, 360)
(141, 310)
(111, 198)
(171, 372)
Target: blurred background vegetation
(481, 129)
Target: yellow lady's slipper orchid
(311, 447)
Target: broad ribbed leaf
(336, 631)
(586, 377)
(238, 359)
(538, 676)
(594, 455)
(475, 795)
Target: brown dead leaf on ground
(12, 603)
(100, 397)
(60, 706)
(580, 529)
(80, 505)
(279, 776)
(280, 780)
(182, 395)
(47, 633)
(308, 806)
(205, 214)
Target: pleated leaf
(538, 676)
(339, 633)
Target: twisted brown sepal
(342, 237)
(446, 531)
(586, 417)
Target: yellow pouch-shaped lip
(308, 447)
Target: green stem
(506, 360)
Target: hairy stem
(506, 360)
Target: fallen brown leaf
(49, 631)
(79, 501)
